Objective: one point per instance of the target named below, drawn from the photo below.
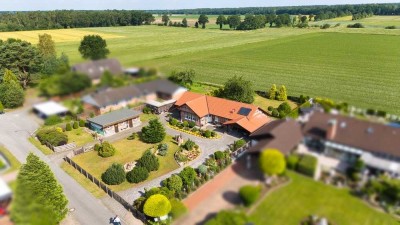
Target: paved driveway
(15, 129)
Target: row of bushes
(282, 111)
(305, 164)
(115, 174)
(75, 125)
(52, 137)
(190, 128)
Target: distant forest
(59, 19)
(332, 11)
(41, 20)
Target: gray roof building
(95, 69)
(114, 117)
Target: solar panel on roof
(244, 111)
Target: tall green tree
(272, 92)
(233, 21)
(221, 20)
(47, 46)
(184, 78)
(93, 47)
(282, 94)
(184, 22)
(165, 19)
(154, 132)
(38, 198)
(237, 89)
(188, 175)
(11, 94)
(203, 19)
(272, 162)
(22, 58)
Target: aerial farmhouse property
(203, 109)
(114, 122)
(160, 95)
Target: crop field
(66, 35)
(357, 66)
(370, 22)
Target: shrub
(52, 137)
(249, 194)
(137, 175)
(325, 26)
(219, 155)
(154, 132)
(228, 217)
(270, 108)
(11, 94)
(371, 112)
(272, 162)
(307, 165)
(75, 125)
(59, 129)
(157, 205)
(132, 136)
(238, 144)
(173, 183)
(292, 161)
(213, 134)
(356, 25)
(192, 124)
(185, 123)
(52, 120)
(189, 145)
(106, 150)
(207, 133)
(82, 123)
(177, 208)
(114, 175)
(381, 113)
(188, 174)
(162, 149)
(390, 27)
(202, 169)
(149, 161)
(96, 147)
(275, 113)
(68, 127)
(1, 108)
(146, 110)
(173, 121)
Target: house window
(190, 117)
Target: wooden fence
(139, 215)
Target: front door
(130, 123)
(116, 128)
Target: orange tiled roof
(203, 105)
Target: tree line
(41, 20)
(338, 10)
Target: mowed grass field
(304, 197)
(370, 22)
(353, 65)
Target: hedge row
(50, 136)
(305, 164)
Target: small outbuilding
(114, 122)
(50, 108)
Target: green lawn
(15, 164)
(370, 22)
(38, 145)
(147, 117)
(303, 197)
(264, 103)
(127, 151)
(83, 181)
(79, 136)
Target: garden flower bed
(192, 130)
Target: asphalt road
(15, 128)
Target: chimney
(332, 129)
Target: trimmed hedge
(249, 194)
(114, 175)
(75, 125)
(68, 127)
(307, 165)
(177, 208)
(51, 136)
(82, 123)
(149, 161)
(137, 175)
(292, 161)
(105, 149)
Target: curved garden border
(192, 133)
